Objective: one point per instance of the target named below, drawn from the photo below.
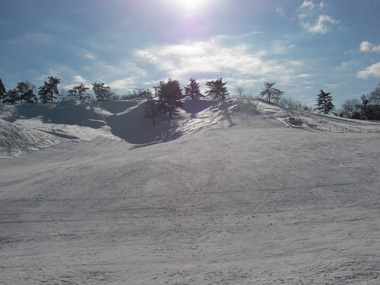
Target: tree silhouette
(169, 96)
(3, 91)
(79, 92)
(102, 93)
(271, 93)
(151, 110)
(192, 90)
(11, 97)
(240, 91)
(49, 89)
(370, 109)
(217, 89)
(26, 92)
(324, 102)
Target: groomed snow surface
(237, 193)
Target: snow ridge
(29, 127)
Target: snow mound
(314, 121)
(30, 127)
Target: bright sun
(189, 5)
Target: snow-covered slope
(235, 195)
(31, 127)
(28, 127)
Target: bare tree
(240, 91)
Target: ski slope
(233, 193)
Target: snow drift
(29, 127)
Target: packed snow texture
(241, 192)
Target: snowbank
(29, 127)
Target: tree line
(367, 108)
(26, 92)
(169, 97)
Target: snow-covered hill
(29, 127)
(239, 193)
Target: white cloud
(346, 65)
(321, 26)
(369, 47)
(373, 70)
(123, 84)
(281, 12)
(333, 85)
(295, 62)
(309, 5)
(312, 23)
(303, 75)
(90, 56)
(210, 57)
(281, 47)
(79, 79)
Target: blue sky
(302, 45)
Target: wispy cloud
(124, 83)
(312, 21)
(282, 47)
(321, 26)
(75, 81)
(309, 5)
(347, 64)
(373, 70)
(90, 56)
(280, 11)
(210, 57)
(369, 47)
(79, 79)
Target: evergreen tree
(271, 93)
(192, 90)
(324, 102)
(102, 93)
(49, 89)
(12, 96)
(151, 110)
(144, 94)
(3, 92)
(169, 96)
(26, 92)
(217, 89)
(79, 92)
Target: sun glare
(189, 5)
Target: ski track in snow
(236, 195)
